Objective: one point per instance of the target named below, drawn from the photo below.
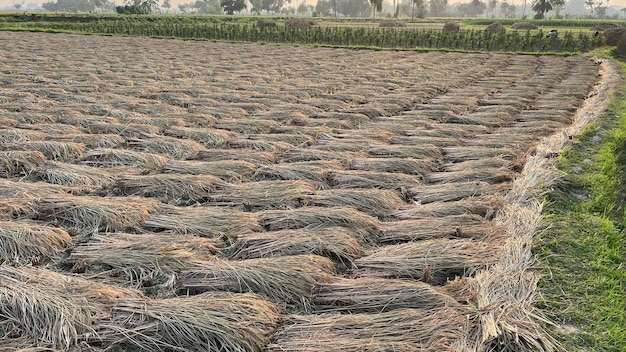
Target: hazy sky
(9, 3)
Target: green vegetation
(583, 253)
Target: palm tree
(378, 6)
(541, 7)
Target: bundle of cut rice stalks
(458, 154)
(105, 157)
(126, 130)
(307, 154)
(204, 221)
(263, 195)
(28, 242)
(375, 202)
(53, 150)
(92, 140)
(407, 166)
(246, 126)
(482, 206)
(453, 226)
(170, 146)
(141, 259)
(488, 175)
(488, 119)
(73, 175)
(286, 117)
(294, 139)
(428, 330)
(313, 132)
(260, 145)
(168, 188)
(21, 199)
(376, 295)
(329, 342)
(251, 156)
(486, 163)
(320, 217)
(207, 322)
(504, 138)
(447, 192)
(335, 243)
(209, 137)
(48, 309)
(17, 135)
(87, 214)
(19, 162)
(413, 140)
(422, 151)
(312, 171)
(453, 130)
(432, 261)
(226, 170)
(287, 281)
(371, 179)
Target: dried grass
(335, 243)
(312, 171)
(314, 218)
(17, 135)
(371, 179)
(432, 261)
(306, 154)
(452, 226)
(293, 139)
(51, 149)
(21, 199)
(448, 192)
(126, 130)
(172, 147)
(407, 166)
(25, 242)
(88, 214)
(425, 140)
(479, 164)
(73, 175)
(458, 154)
(374, 295)
(246, 126)
(374, 202)
(287, 281)
(169, 188)
(19, 163)
(209, 137)
(488, 175)
(421, 151)
(226, 170)
(482, 206)
(105, 157)
(252, 156)
(92, 140)
(263, 195)
(206, 322)
(205, 221)
(260, 145)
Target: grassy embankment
(583, 252)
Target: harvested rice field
(166, 195)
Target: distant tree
(491, 7)
(185, 8)
(167, 4)
(438, 7)
(18, 5)
(541, 7)
(556, 6)
(623, 10)
(591, 4)
(77, 5)
(232, 6)
(377, 5)
(479, 7)
(302, 9)
(473, 8)
(207, 6)
(418, 9)
(324, 7)
(354, 8)
(273, 5)
(257, 6)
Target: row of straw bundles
(19, 162)
(26, 242)
(42, 308)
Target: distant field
(180, 195)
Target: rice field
(167, 195)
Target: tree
(232, 6)
(273, 5)
(541, 7)
(354, 8)
(418, 9)
(207, 6)
(167, 5)
(324, 7)
(623, 10)
(377, 6)
(491, 7)
(438, 7)
(302, 9)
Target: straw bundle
(433, 261)
(407, 166)
(261, 145)
(252, 156)
(15, 135)
(312, 132)
(73, 175)
(21, 199)
(287, 281)
(488, 175)
(330, 123)
(335, 243)
(24, 242)
(53, 129)
(19, 162)
(207, 322)
(126, 130)
(448, 192)
(163, 123)
(172, 147)
(87, 214)
(453, 226)
(425, 140)
(375, 202)
(458, 154)
(318, 218)
(204, 221)
(375, 295)
(286, 117)
(421, 151)
(504, 138)
(105, 157)
(92, 140)
(209, 137)
(371, 179)
(328, 143)
(331, 343)
(51, 149)
(312, 171)
(50, 309)
(179, 189)
(306, 154)
(146, 259)
(262, 195)
(246, 126)
(7, 123)
(290, 138)
(430, 330)
(227, 170)
(482, 206)
(326, 104)
(453, 130)
(479, 164)
(355, 118)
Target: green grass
(583, 253)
